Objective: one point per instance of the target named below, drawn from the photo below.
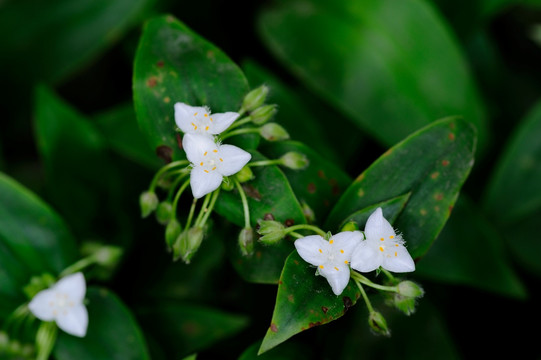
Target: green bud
(255, 98)
(187, 244)
(263, 114)
(164, 211)
(228, 185)
(294, 160)
(108, 255)
(410, 289)
(148, 202)
(378, 324)
(350, 226)
(273, 132)
(172, 232)
(271, 231)
(246, 241)
(45, 339)
(308, 213)
(245, 174)
(406, 298)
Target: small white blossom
(63, 303)
(331, 257)
(211, 162)
(382, 247)
(199, 120)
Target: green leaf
(319, 185)
(305, 117)
(289, 350)
(112, 332)
(50, 40)
(119, 128)
(391, 66)
(268, 193)
(431, 164)
(470, 251)
(75, 158)
(174, 64)
(33, 240)
(304, 301)
(182, 328)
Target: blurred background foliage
(375, 70)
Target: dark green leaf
(112, 332)
(174, 64)
(319, 185)
(431, 164)
(182, 329)
(289, 350)
(391, 66)
(304, 301)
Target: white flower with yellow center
(63, 303)
(199, 120)
(331, 257)
(382, 247)
(211, 162)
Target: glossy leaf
(470, 251)
(181, 329)
(112, 332)
(174, 64)
(304, 301)
(268, 193)
(319, 185)
(391, 66)
(433, 178)
(289, 350)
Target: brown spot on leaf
(360, 178)
(280, 282)
(258, 254)
(291, 298)
(451, 209)
(438, 196)
(451, 136)
(311, 188)
(445, 162)
(289, 222)
(165, 152)
(268, 216)
(273, 327)
(152, 81)
(296, 262)
(347, 303)
(324, 309)
(251, 191)
(179, 140)
(159, 64)
(435, 175)
(452, 125)
(312, 324)
(336, 190)
(321, 174)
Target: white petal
(196, 145)
(184, 116)
(338, 279)
(234, 159)
(377, 226)
(73, 285)
(74, 320)
(347, 241)
(402, 262)
(203, 183)
(365, 258)
(308, 248)
(221, 122)
(40, 305)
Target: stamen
(214, 168)
(206, 115)
(335, 268)
(210, 119)
(206, 171)
(221, 159)
(391, 237)
(205, 154)
(201, 163)
(214, 151)
(321, 251)
(342, 251)
(195, 114)
(331, 241)
(381, 248)
(206, 128)
(381, 239)
(395, 253)
(321, 266)
(346, 262)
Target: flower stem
(190, 215)
(203, 209)
(296, 234)
(215, 194)
(79, 265)
(266, 162)
(177, 197)
(365, 297)
(240, 132)
(306, 227)
(238, 123)
(360, 278)
(244, 204)
(388, 274)
(175, 184)
(163, 170)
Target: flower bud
(148, 202)
(246, 241)
(172, 232)
(378, 324)
(245, 174)
(410, 289)
(164, 211)
(350, 226)
(309, 214)
(272, 231)
(255, 98)
(294, 160)
(187, 244)
(108, 255)
(273, 132)
(227, 185)
(263, 114)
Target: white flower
(63, 303)
(331, 257)
(199, 120)
(211, 162)
(382, 247)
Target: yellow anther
(206, 171)
(342, 251)
(206, 115)
(214, 168)
(346, 262)
(331, 241)
(335, 268)
(221, 159)
(205, 154)
(210, 119)
(195, 114)
(381, 248)
(321, 251)
(396, 245)
(395, 253)
(214, 151)
(201, 163)
(381, 239)
(206, 128)
(321, 266)
(391, 237)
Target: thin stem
(266, 162)
(177, 197)
(190, 215)
(240, 132)
(388, 274)
(216, 193)
(365, 297)
(244, 204)
(306, 227)
(358, 277)
(203, 209)
(79, 265)
(296, 234)
(163, 170)
(174, 185)
(238, 123)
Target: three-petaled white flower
(331, 257)
(211, 162)
(63, 303)
(382, 247)
(199, 120)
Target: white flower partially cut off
(63, 303)
(331, 257)
(211, 162)
(199, 120)
(382, 247)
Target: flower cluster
(210, 160)
(379, 246)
